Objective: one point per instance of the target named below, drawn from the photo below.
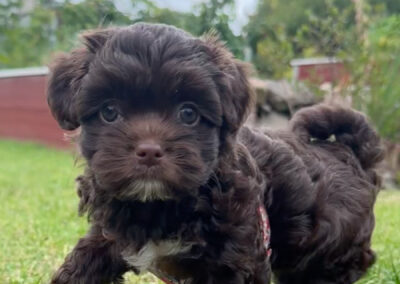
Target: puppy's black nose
(149, 153)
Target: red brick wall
(24, 114)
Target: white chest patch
(148, 255)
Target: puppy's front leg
(94, 260)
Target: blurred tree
(273, 55)
(285, 13)
(358, 31)
(73, 17)
(390, 7)
(271, 32)
(217, 15)
(147, 11)
(375, 68)
(53, 24)
(29, 34)
(305, 28)
(327, 33)
(290, 29)
(209, 15)
(281, 30)
(24, 35)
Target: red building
(24, 114)
(319, 70)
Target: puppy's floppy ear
(236, 94)
(65, 77)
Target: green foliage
(389, 7)
(282, 30)
(22, 38)
(277, 34)
(207, 16)
(273, 55)
(372, 61)
(384, 37)
(327, 33)
(29, 36)
(149, 12)
(71, 18)
(215, 15)
(286, 13)
(375, 68)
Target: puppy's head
(156, 107)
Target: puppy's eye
(188, 115)
(109, 113)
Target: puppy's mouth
(149, 173)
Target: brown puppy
(167, 188)
(174, 185)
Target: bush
(375, 69)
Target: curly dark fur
(321, 194)
(206, 191)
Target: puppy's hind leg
(94, 260)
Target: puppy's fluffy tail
(347, 126)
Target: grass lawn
(39, 223)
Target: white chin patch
(147, 190)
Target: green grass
(386, 240)
(39, 223)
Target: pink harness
(265, 229)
